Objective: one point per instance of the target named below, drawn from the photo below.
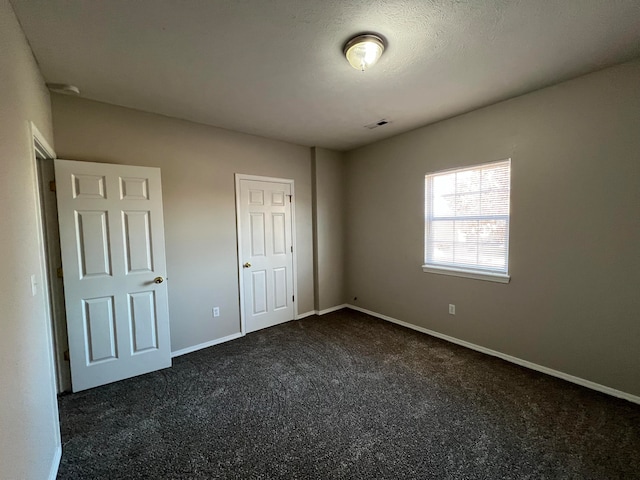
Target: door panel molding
(112, 242)
(257, 198)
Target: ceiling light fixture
(363, 51)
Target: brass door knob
(158, 280)
(247, 265)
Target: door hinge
(59, 272)
(291, 248)
(66, 355)
(52, 185)
(290, 196)
(293, 298)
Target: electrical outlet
(216, 311)
(452, 309)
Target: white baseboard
(322, 312)
(332, 309)
(55, 463)
(195, 348)
(518, 361)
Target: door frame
(42, 149)
(238, 178)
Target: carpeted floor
(346, 396)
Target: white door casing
(265, 251)
(112, 242)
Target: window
(467, 221)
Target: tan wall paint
(329, 221)
(573, 302)
(29, 430)
(198, 164)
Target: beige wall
(198, 164)
(573, 302)
(329, 220)
(29, 431)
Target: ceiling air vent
(377, 124)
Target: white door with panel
(265, 251)
(112, 242)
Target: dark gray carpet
(346, 396)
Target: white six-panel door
(113, 256)
(265, 251)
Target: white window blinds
(467, 218)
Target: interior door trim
(42, 149)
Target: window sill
(459, 272)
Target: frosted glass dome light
(364, 51)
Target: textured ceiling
(275, 67)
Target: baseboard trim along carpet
(332, 309)
(322, 312)
(55, 463)
(194, 348)
(518, 361)
(228, 338)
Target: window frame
(479, 273)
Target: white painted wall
(29, 429)
(198, 164)
(573, 301)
